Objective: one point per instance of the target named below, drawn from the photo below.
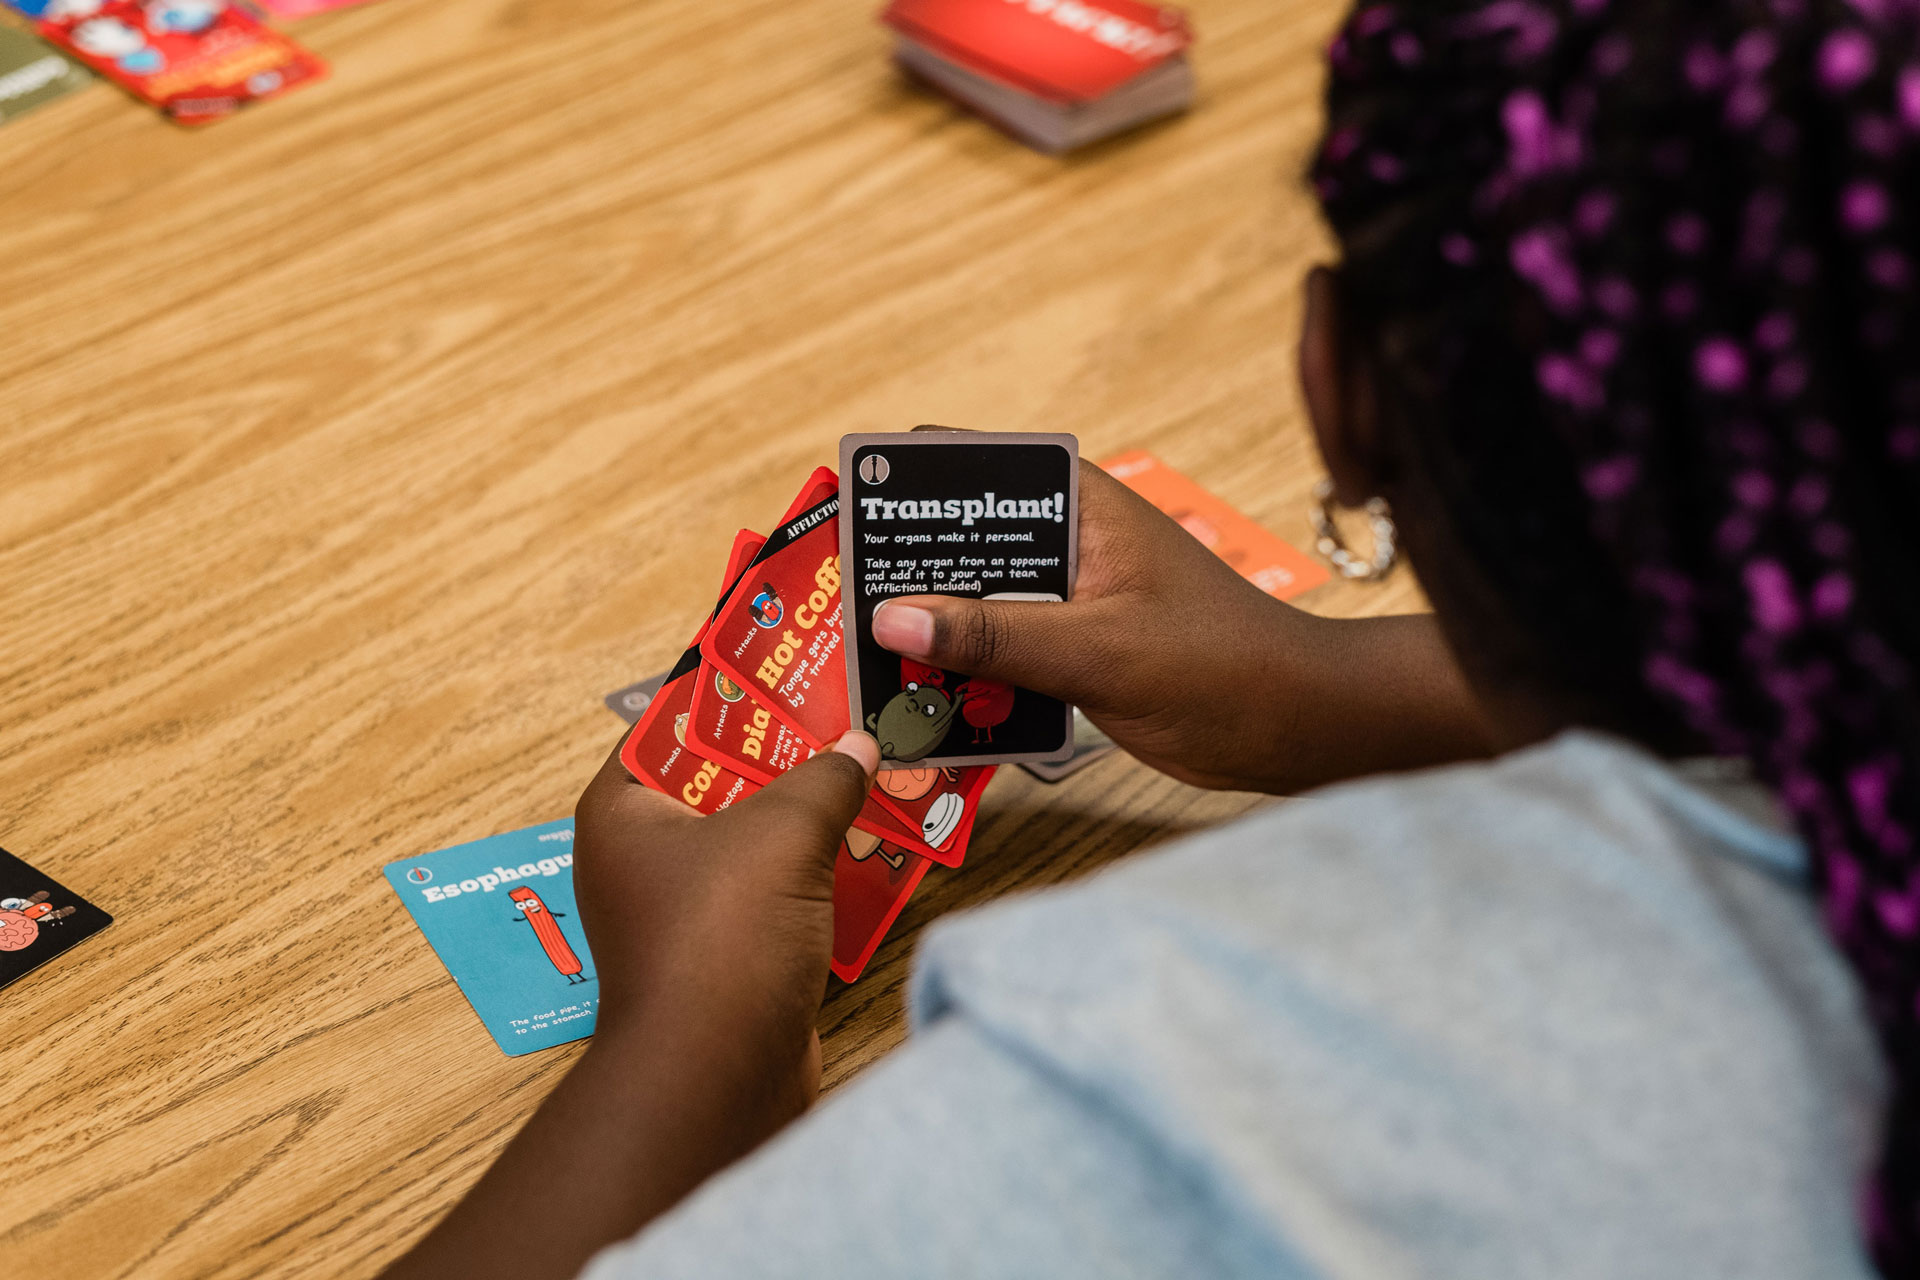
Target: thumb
(1040, 645)
(818, 799)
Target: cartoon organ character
(107, 38)
(913, 722)
(916, 719)
(21, 918)
(766, 608)
(862, 845)
(547, 929)
(942, 817)
(984, 704)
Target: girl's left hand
(711, 937)
(715, 932)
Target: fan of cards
(785, 665)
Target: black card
(632, 702)
(957, 513)
(39, 918)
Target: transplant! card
(992, 516)
(499, 913)
(39, 918)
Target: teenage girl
(1605, 965)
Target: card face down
(990, 516)
(39, 918)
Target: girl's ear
(1340, 401)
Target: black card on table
(987, 515)
(39, 918)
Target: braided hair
(1634, 282)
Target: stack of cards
(196, 60)
(1056, 74)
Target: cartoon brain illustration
(20, 920)
(17, 930)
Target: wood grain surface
(352, 448)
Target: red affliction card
(656, 750)
(729, 728)
(777, 640)
(656, 753)
(778, 633)
(872, 881)
(1065, 51)
(196, 60)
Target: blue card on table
(499, 913)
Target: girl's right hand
(1197, 672)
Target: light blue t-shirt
(1568, 1014)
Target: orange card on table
(1280, 570)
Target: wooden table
(351, 449)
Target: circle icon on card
(680, 728)
(874, 469)
(766, 608)
(420, 875)
(727, 688)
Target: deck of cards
(784, 665)
(1056, 74)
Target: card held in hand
(988, 515)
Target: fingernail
(903, 628)
(862, 748)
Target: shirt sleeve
(952, 1157)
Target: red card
(871, 884)
(1280, 570)
(727, 726)
(1067, 51)
(657, 754)
(197, 60)
(777, 639)
(778, 633)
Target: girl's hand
(1196, 671)
(711, 937)
(717, 931)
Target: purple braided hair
(1663, 250)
